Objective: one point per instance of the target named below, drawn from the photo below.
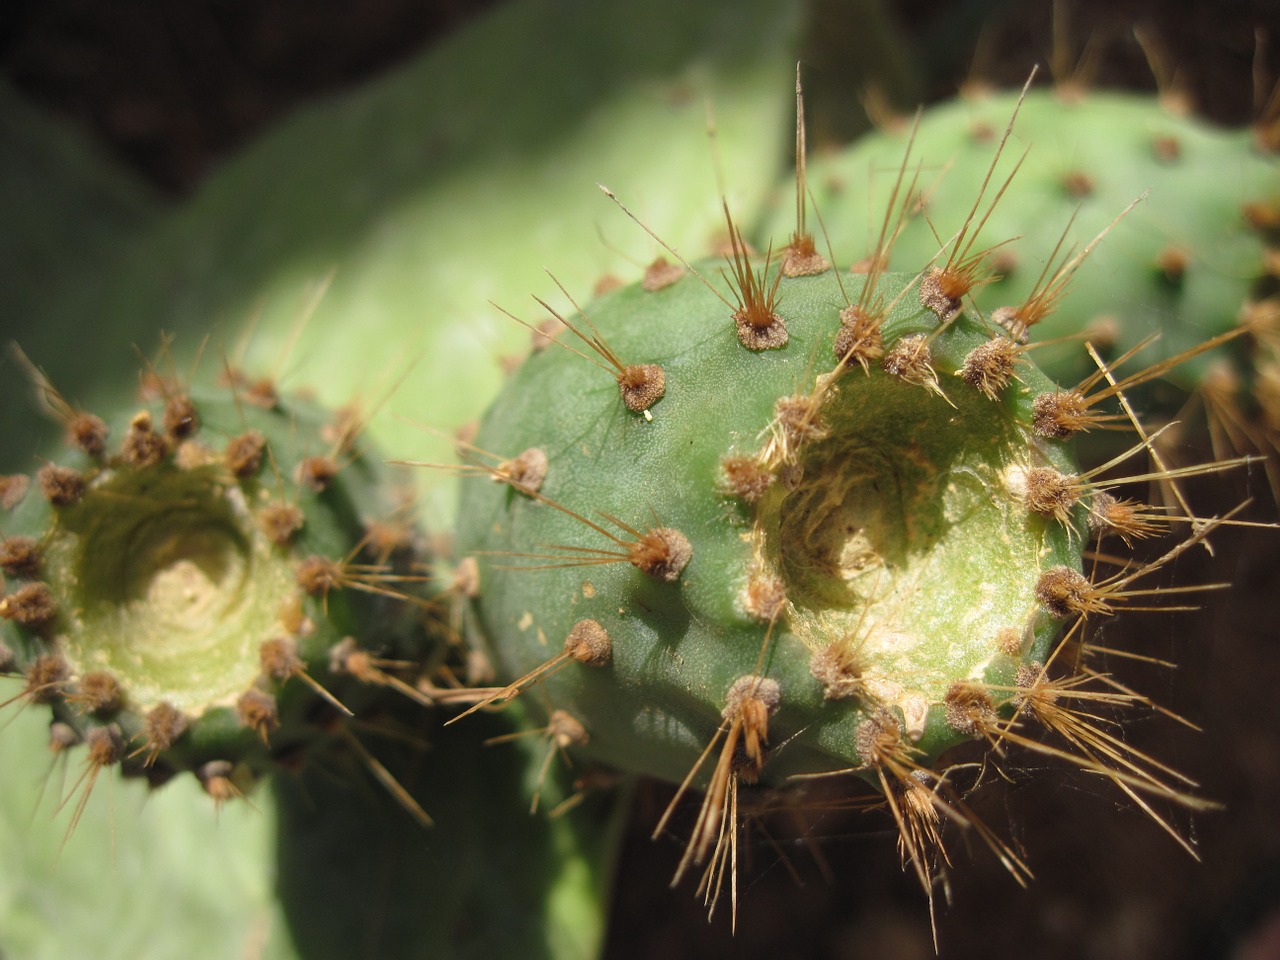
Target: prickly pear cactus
(208, 583)
(1190, 260)
(861, 538)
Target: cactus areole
(849, 520)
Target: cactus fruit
(840, 531)
(1193, 260)
(209, 582)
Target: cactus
(799, 507)
(734, 604)
(209, 582)
(1192, 260)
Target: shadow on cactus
(790, 521)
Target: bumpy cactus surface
(209, 583)
(1190, 261)
(807, 513)
(860, 538)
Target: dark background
(173, 88)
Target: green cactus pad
(1184, 262)
(182, 585)
(776, 513)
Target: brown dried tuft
(989, 367)
(61, 486)
(32, 606)
(942, 292)
(46, 677)
(839, 668)
(662, 553)
(606, 284)
(20, 557)
(388, 539)
(280, 521)
(859, 339)
(911, 361)
(88, 433)
(1078, 184)
(802, 258)
(1051, 494)
(243, 456)
(566, 730)
(98, 692)
(1261, 214)
(1063, 592)
(589, 643)
(642, 385)
(765, 597)
(318, 575)
(755, 336)
(747, 688)
(259, 712)
(758, 324)
(13, 488)
(1166, 149)
(181, 419)
(163, 725)
(1059, 414)
(316, 473)
(215, 778)
(143, 447)
(1172, 262)
(279, 658)
(750, 702)
(62, 737)
(878, 739)
(970, 709)
(106, 745)
(1122, 517)
(661, 273)
(745, 477)
(524, 472)
(797, 420)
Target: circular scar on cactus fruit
(157, 590)
(847, 534)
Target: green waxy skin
(167, 577)
(899, 535)
(1182, 263)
